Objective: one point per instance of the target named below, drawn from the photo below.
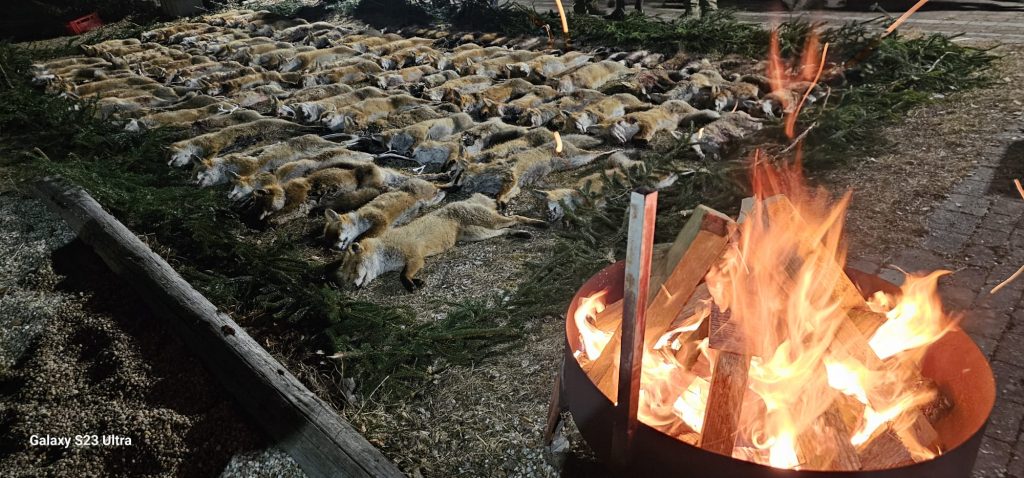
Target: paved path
(990, 21)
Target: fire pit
(756, 354)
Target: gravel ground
(78, 357)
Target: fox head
(557, 201)
(337, 121)
(183, 154)
(243, 186)
(490, 109)
(359, 263)
(339, 230)
(268, 199)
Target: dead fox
(410, 56)
(404, 76)
(463, 85)
(590, 188)
(177, 118)
(499, 93)
(286, 200)
(503, 179)
(668, 116)
(387, 210)
(405, 139)
(274, 59)
(591, 76)
(103, 86)
(312, 111)
(287, 166)
(465, 57)
(354, 71)
(216, 122)
(210, 144)
(512, 110)
(556, 112)
(606, 109)
(218, 170)
(405, 248)
(250, 81)
(718, 134)
(318, 59)
(471, 141)
(361, 114)
(312, 93)
(547, 66)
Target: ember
(760, 347)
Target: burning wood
(759, 346)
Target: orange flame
(592, 339)
(786, 83)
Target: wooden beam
(643, 211)
(885, 451)
(319, 440)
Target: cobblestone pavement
(988, 21)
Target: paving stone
(945, 242)
(993, 457)
(990, 234)
(979, 255)
(1011, 349)
(1005, 421)
(986, 322)
(1016, 466)
(918, 260)
(1000, 222)
(968, 204)
(1010, 206)
(943, 221)
(1009, 381)
(971, 187)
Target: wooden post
(643, 210)
(319, 440)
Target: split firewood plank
(725, 402)
(885, 451)
(698, 247)
(609, 318)
(728, 384)
(826, 444)
(320, 441)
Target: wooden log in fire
(728, 384)
(698, 246)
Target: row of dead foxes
(255, 90)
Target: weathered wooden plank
(643, 211)
(319, 440)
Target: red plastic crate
(83, 24)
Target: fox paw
(412, 284)
(521, 234)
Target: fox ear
(234, 175)
(355, 248)
(260, 192)
(331, 215)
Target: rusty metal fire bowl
(955, 363)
